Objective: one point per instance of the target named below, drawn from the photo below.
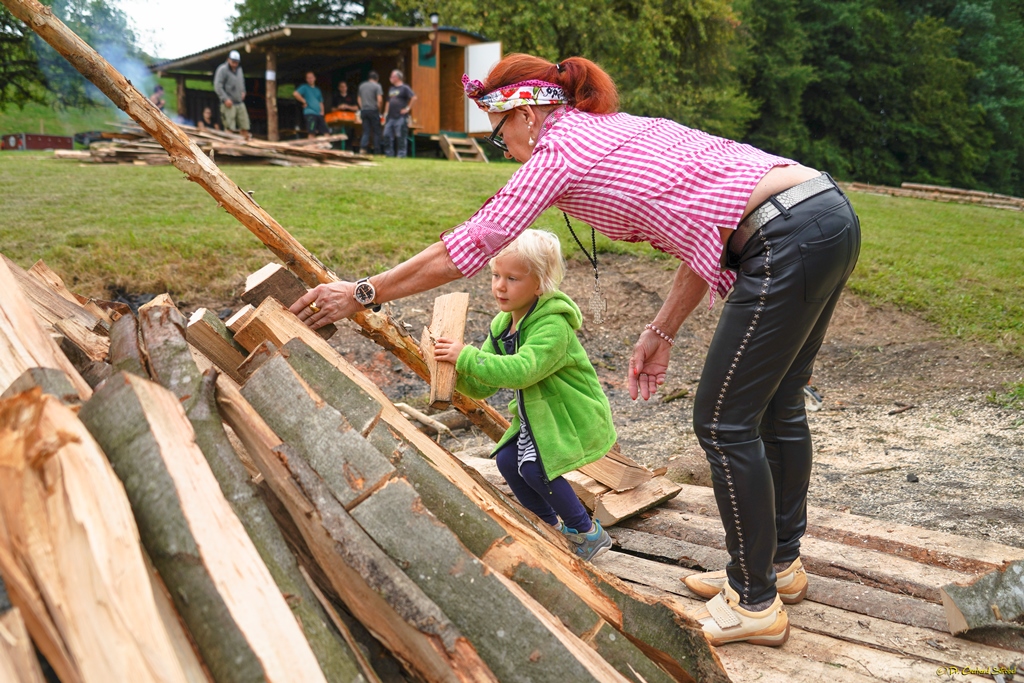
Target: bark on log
(481, 523)
(23, 343)
(187, 157)
(350, 467)
(222, 589)
(449, 321)
(50, 381)
(378, 594)
(993, 599)
(208, 334)
(125, 353)
(70, 545)
(163, 329)
(17, 657)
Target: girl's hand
(648, 365)
(447, 350)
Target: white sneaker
(791, 583)
(724, 621)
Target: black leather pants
(749, 408)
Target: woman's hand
(334, 301)
(647, 365)
(447, 350)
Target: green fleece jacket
(566, 409)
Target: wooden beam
(449, 321)
(69, 530)
(23, 343)
(221, 587)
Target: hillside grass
(147, 229)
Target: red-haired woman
(781, 237)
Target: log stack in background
(297, 527)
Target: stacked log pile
(937, 193)
(172, 524)
(135, 146)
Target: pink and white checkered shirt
(633, 179)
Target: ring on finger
(313, 307)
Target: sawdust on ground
(953, 462)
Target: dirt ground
(953, 462)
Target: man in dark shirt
(396, 115)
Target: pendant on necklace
(598, 305)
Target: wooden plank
(17, 657)
(993, 599)
(922, 545)
(221, 587)
(23, 343)
(667, 636)
(847, 595)
(613, 507)
(208, 334)
(69, 529)
(822, 558)
(824, 638)
(49, 305)
(449, 322)
(274, 280)
(373, 590)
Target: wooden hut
(433, 60)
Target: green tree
(253, 15)
(20, 77)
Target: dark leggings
(549, 500)
(749, 408)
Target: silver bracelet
(655, 330)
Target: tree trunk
(23, 343)
(222, 589)
(191, 160)
(163, 329)
(376, 592)
(69, 532)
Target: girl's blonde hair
(541, 251)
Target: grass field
(147, 229)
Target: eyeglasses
(495, 138)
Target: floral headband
(515, 95)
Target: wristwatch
(365, 294)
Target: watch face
(364, 293)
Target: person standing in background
(396, 113)
(229, 84)
(370, 100)
(312, 101)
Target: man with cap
(229, 83)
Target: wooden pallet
(461, 149)
(872, 611)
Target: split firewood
(48, 277)
(486, 524)
(68, 544)
(163, 329)
(223, 591)
(126, 354)
(425, 420)
(587, 489)
(617, 472)
(239, 317)
(277, 281)
(208, 334)
(376, 592)
(92, 371)
(992, 599)
(613, 507)
(49, 305)
(449, 322)
(23, 343)
(50, 381)
(17, 657)
(93, 346)
(255, 359)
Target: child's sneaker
(591, 544)
(791, 583)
